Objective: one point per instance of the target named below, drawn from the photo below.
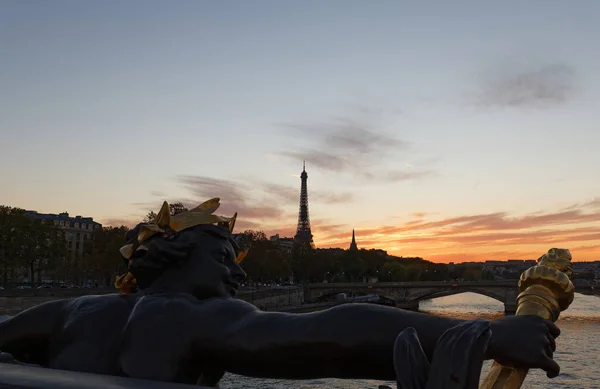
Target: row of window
(70, 245)
(66, 223)
(78, 236)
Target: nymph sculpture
(184, 324)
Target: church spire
(353, 245)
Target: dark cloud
(289, 195)
(343, 134)
(420, 215)
(374, 111)
(552, 84)
(399, 175)
(260, 204)
(322, 159)
(592, 204)
(595, 203)
(235, 197)
(333, 198)
(351, 146)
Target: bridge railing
(76, 292)
(409, 284)
(54, 292)
(29, 377)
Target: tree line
(36, 251)
(267, 262)
(28, 245)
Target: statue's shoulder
(188, 304)
(222, 315)
(223, 306)
(108, 305)
(185, 308)
(105, 300)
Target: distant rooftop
(61, 216)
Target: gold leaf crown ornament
(167, 225)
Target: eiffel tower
(303, 239)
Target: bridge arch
(329, 295)
(451, 292)
(410, 294)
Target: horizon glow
(455, 132)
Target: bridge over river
(311, 297)
(408, 294)
(14, 301)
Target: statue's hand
(525, 342)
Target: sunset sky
(454, 131)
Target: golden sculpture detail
(166, 225)
(545, 290)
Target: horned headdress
(167, 225)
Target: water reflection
(475, 305)
(578, 347)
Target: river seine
(577, 353)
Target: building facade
(284, 244)
(77, 229)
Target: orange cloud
(483, 237)
(118, 222)
(260, 205)
(272, 209)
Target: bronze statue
(546, 290)
(184, 326)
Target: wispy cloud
(291, 195)
(118, 222)
(484, 236)
(236, 197)
(356, 147)
(399, 175)
(370, 110)
(595, 203)
(509, 86)
(498, 235)
(260, 204)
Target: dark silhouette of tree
(177, 208)
(353, 265)
(265, 261)
(39, 250)
(150, 217)
(102, 259)
(174, 208)
(28, 245)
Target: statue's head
(192, 251)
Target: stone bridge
(15, 301)
(311, 296)
(408, 294)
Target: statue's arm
(25, 335)
(348, 341)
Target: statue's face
(212, 270)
